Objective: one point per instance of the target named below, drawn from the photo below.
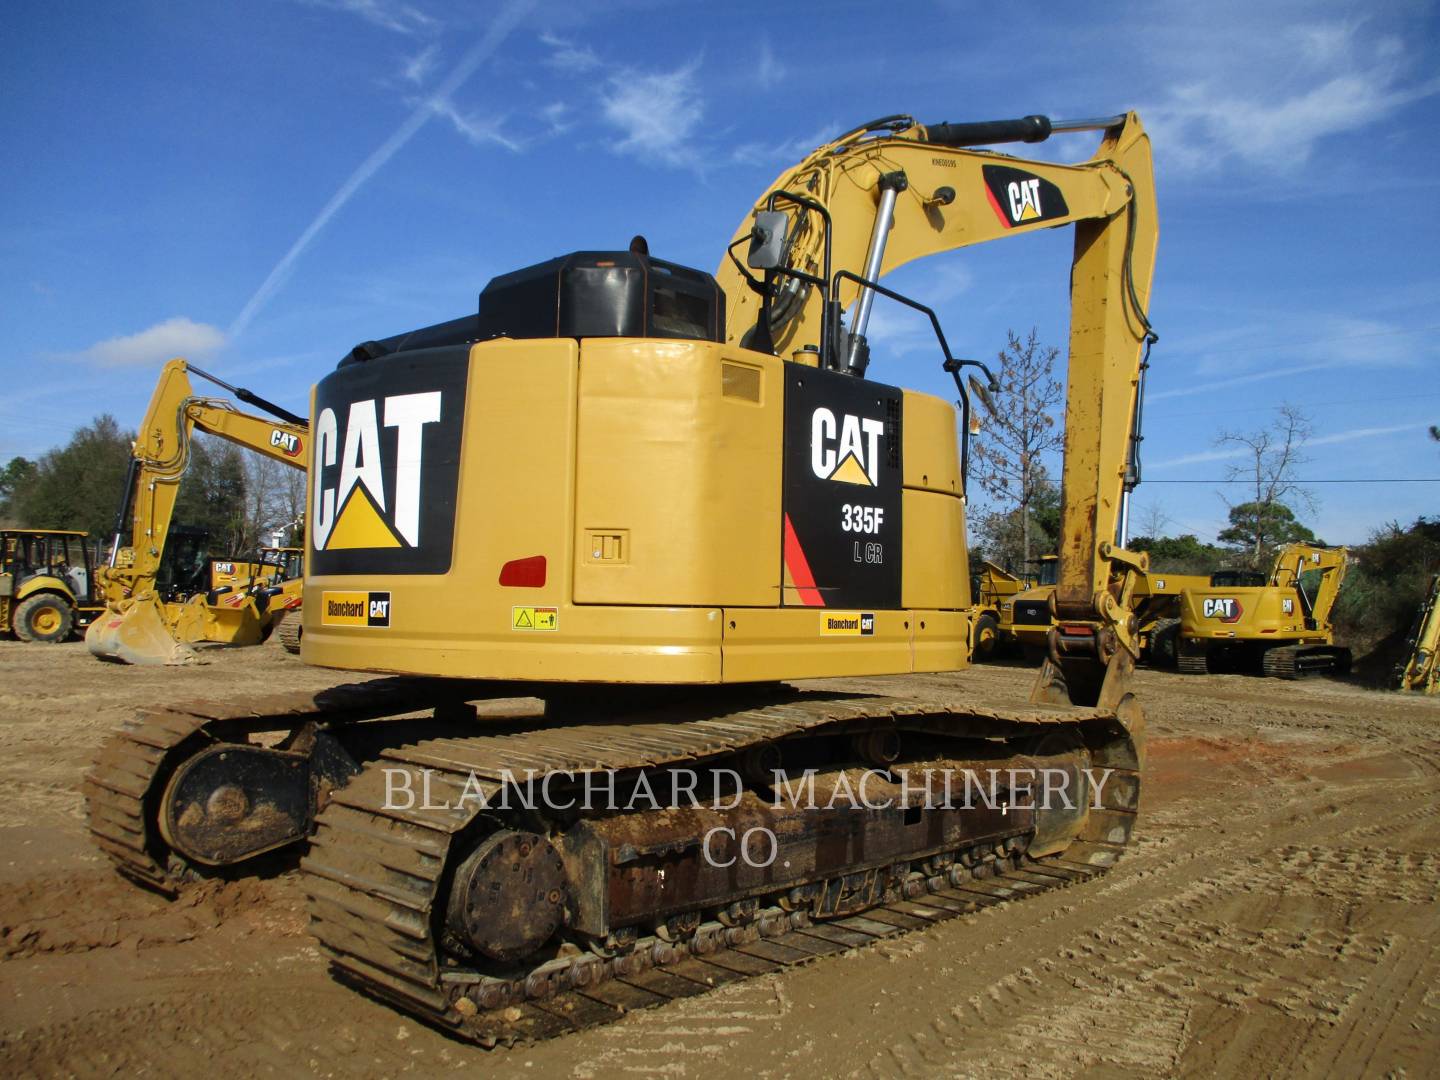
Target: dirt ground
(1279, 913)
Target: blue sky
(260, 186)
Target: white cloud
(173, 337)
(769, 72)
(1362, 433)
(1197, 458)
(418, 67)
(474, 128)
(657, 114)
(1239, 380)
(386, 14)
(786, 151)
(499, 28)
(557, 116)
(1225, 454)
(568, 57)
(1246, 90)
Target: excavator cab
(586, 294)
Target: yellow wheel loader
(653, 499)
(1422, 665)
(993, 588)
(272, 584)
(154, 610)
(1025, 618)
(47, 583)
(1277, 625)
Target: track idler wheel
(509, 895)
(234, 801)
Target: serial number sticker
(847, 624)
(355, 609)
(534, 618)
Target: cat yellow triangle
(361, 526)
(1029, 212)
(851, 472)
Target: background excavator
(151, 617)
(1278, 625)
(652, 497)
(1421, 670)
(1156, 602)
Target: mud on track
(1278, 913)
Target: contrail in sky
(499, 30)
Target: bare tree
(275, 497)
(1269, 458)
(1153, 521)
(1008, 453)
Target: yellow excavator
(1421, 672)
(1156, 601)
(1279, 625)
(151, 615)
(654, 498)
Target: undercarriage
(1288, 661)
(511, 875)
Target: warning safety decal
(534, 618)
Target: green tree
(1388, 581)
(1008, 462)
(1260, 528)
(78, 486)
(1184, 554)
(15, 479)
(1002, 534)
(212, 496)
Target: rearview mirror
(982, 394)
(767, 240)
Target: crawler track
(1295, 661)
(1193, 663)
(124, 786)
(289, 631)
(376, 876)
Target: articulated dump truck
(653, 498)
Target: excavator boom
(895, 191)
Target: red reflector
(524, 573)
(1071, 630)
